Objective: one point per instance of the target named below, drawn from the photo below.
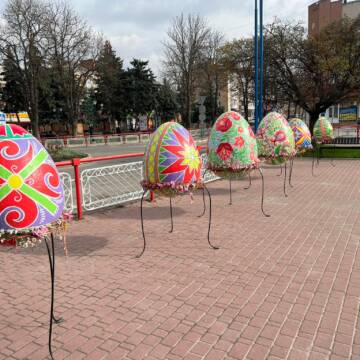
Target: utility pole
(261, 62)
(256, 45)
(259, 66)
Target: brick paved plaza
(284, 287)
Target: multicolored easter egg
(302, 135)
(275, 139)
(232, 148)
(172, 162)
(323, 130)
(31, 193)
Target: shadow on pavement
(77, 246)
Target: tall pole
(256, 45)
(261, 92)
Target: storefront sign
(348, 113)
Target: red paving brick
(284, 287)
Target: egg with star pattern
(172, 163)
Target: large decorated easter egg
(232, 148)
(275, 139)
(172, 162)
(31, 193)
(323, 130)
(302, 135)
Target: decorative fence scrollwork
(206, 174)
(111, 185)
(68, 191)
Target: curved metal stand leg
(59, 320)
(291, 170)
(313, 161)
(51, 255)
(333, 155)
(249, 186)
(262, 193)
(142, 224)
(318, 155)
(209, 228)
(171, 217)
(280, 171)
(230, 200)
(285, 181)
(204, 204)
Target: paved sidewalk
(284, 287)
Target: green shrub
(65, 154)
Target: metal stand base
(316, 157)
(142, 225)
(249, 186)
(209, 228)
(204, 204)
(285, 181)
(172, 224)
(171, 217)
(333, 155)
(316, 153)
(262, 193)
(53, 319)
(291, 170)
(230, 192)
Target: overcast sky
(137, 28)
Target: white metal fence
(67, 183)
(111, 185)
(107, 186)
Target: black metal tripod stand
(53, 319)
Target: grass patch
(341, 153)
(97, 140)
(65, 154)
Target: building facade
(324, 12)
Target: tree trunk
(216, 97)
(34, 110)
(246, 105)
(35, 122)
(314, 116)
(289, 106)
(72, 121)
(188, 110)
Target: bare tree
(318, 72)
(74, 50)
(213, 76)
(187, 39)
(237, 58)
(23, 41)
